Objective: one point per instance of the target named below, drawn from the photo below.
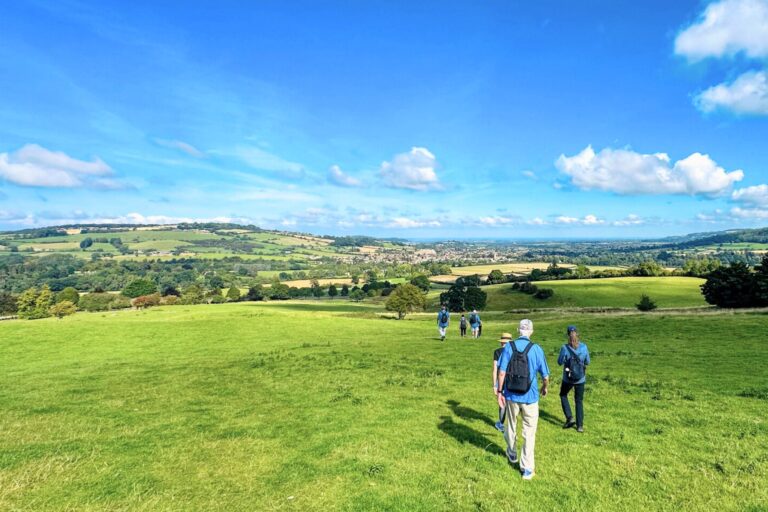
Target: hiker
(505, 338)
(521, 361)
(443, 319)
(463, 326)
(574, 358)
(474, 322)
(480, 328)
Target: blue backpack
(574, 367)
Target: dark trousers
(565, 388)
(463, 331)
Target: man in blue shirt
(443, 319)
(524, 404)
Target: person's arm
(503, 363)
(563, 356)
(544, 371)
(499, 391)
(494, 375)
(586, 359)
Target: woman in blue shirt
(574, 358)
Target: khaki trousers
(530, 415)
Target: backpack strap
(527, 347)
(575, 354)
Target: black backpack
(473, 318)
(574, 368)
(443, 317)
(518, 379)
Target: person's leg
(579, 394)
(510, 430)
(565, 388)
(530, 413)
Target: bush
(169, 300)
(70, 294)
(63, 308)
(103, 302)
(146, 301)
(422, 282)
(138, 288)
(233, 294)
(8, 304)
(357, 295)
(516, 285)
(646, 303)
(255, 293)
(544, 293)
(529, 288)
(218, 299)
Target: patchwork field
(335, 406)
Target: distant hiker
(505, 338)
(520, 362)
(480, 329)
(443, 319)
(574, 358)
(463, 326)
(474, 322)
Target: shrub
(544, 293)
(255, 293)
(233, 294)
(529, 288)
(146, 301)
(138, 288)
(646, 303)
(217, 299)
(8, 304)
(63, 308)
(357, 295)
(70, 294)
(515, 285)
(169, 300)
(103, 302)
(421, 281)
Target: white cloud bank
(630, 173)
(725, 29)
(408, 223)
(36, 166)
(747, 95)
(587, 220)
(342, 179)
(414, 170)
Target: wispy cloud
(342, 179)
(260, 159)
(626, 172)
(182, 146)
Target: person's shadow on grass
(549, 418)
(466, 413)
(465, 434)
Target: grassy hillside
(623, 292)
(331, 406)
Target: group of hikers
(517, 365)
(474, 322)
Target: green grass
(333, 406)
(622, 292)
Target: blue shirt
(581, 352)
(476, 322)
(440, 316)
(537, 363)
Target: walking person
(574, 358)
(463, 326)
(474, 322)
(505, 338)
(520, 364)
(443, 319)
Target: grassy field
(335, 406)
(621, 292)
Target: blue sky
(442, 119)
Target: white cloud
(747, 95)
(339, 177)
(496, 221)
(181, 146)
(630, 220)
(626, 172)
(725, 29)
(35, 166)
(750, 213)
(77, 217)
(530, 175)
(587, 220)
(537, 221)
(414, 170)
(756, 195)
(407, 223)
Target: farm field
(334, 406)
(507, 268)
(618, 292)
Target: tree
(473, 280)
(475, 298)
(406, 299)
(332, 291)
(233, 294)
(193, 294)
(63, 308)
(216, 282)
(255, 293)
(454, 298)
(732, 287)
(317, 290)
(86, 243)
(357, 295)
(496, 276)
(345, 291)
(139, 287)
(8, 304)
(647, 268)
(421, 281)
(26, 303)
(70, 294)
(544, 293)
(646, 303)
(146, 301)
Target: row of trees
(737, 286)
